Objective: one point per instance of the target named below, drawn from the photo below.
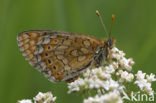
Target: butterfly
(63, 56)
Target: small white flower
(125, 76)
(141, 83)
(25, 101)
(130, 77)
(125, 64)
(109, 69)
(105, 75)
(148, 89)
(115, 50)
(120, 71)
(151, 78)
(44, 98)
(112, 97)
(40, 98)
(75, 86)
(140, 75)
(117, 54)
(95, 82)
(131, 62)
(113, 85)
(121, 89)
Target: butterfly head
(110, 43)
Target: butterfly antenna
(105, 29)
(113, 17)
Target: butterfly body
(62, 56)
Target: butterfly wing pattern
(60, 56)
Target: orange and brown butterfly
(63, 56)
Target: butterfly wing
(60, 56)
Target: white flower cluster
(100, 77)
(109, 80)
(122, 62)
(112, 97)
(41, 98)
(144, 83)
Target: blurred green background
(134, 29)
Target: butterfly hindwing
(58, 55)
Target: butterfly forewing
(59, 55)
